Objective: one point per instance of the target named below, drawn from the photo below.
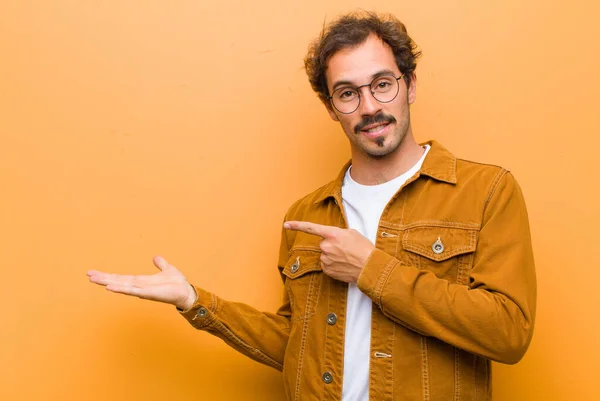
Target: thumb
(161, 263)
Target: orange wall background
(136, 128)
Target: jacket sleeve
(494, 315)
(261, 336)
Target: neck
(368, 170)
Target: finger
(106, 279)
(145, 292)
(325, 246)
(126, 290)
(312, 228)
(324, 260)
(161, 263)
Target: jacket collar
(439, 164)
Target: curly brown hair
(351, 30)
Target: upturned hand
(168, 286)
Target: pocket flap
(301, 262)
(439, 243)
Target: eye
(347, 94)
(382, 85)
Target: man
(404, 276)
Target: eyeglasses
(383, 88)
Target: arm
(258, 335)
(494, 315)
(261, 336)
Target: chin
(375, 151)
(379, 153)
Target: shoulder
(301, 206)
(471, 172)
(491, 180)
(469, 168)
(317, 198)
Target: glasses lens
(346, 100)
(384, 88)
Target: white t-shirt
(363, 205)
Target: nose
(368, 104)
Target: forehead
(358, 64)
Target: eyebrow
(374, 76)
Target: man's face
(374, 129)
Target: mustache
(378, 118)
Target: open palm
(169, 285)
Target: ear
(412, 89)
(331, 111)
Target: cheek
(332, 114)
(348, 127)
(400, 107)
(346, 123)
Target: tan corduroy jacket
(452, 282)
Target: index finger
(312, 228)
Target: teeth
(376, 129)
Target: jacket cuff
(202, 312)
(375, 274)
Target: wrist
(367, 255)
(189, 300)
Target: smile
(375, 130)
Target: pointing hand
(344, 251)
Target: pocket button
(438, 246)
(294, 268)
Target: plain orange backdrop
(134, 128)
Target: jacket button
(331, 318)
(438, 246)
(294, 268)
(327, 377)
(202, 312)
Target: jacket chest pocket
(445, 251)
(303, 282)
